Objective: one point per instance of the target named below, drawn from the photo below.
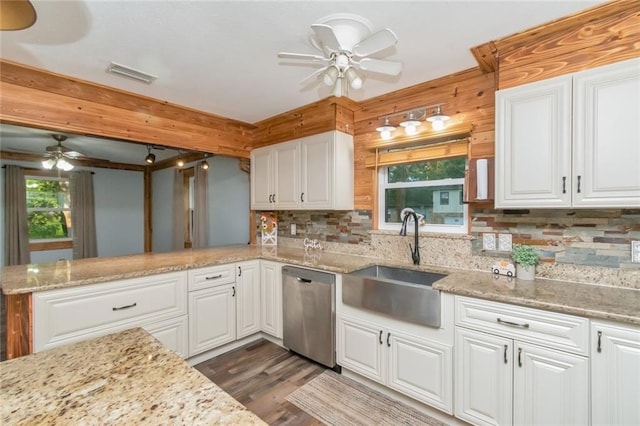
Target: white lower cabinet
(156, 303)
(509, 379)
(212, 318)
(409, 364)
(271, 298)
(615, 374)
(247, 298)
(172, 333)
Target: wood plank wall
(37, 98)
(469, 100)
(598, 36)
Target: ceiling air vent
(124, 71)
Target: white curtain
(83, 217)
(16, 231)
(200, 214)
(178, 211)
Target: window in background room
(433, 189)
(48, 209)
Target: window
(433, 189)
(48, 209)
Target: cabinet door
(286, 165)
(247, 298)
(483, 378)
(533, 145)
(361, 348)
(615, 374)
(172, 333)
(317, 171)
(421, 369)
(606, 147)
(212, 318)
(262, 187)
(550, 387)
(271, 298)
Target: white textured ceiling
(221, 56)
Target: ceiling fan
(57, 155)
(16, 15)
(346, 42)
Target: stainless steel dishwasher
(309, 314)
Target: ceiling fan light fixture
(438, 119)
(355, 81)
(64, 165)
(330, 76)
(338, 90)
(49, 163)
(125, 71)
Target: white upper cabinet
(570, 141)
(606, 136)
(315, 172)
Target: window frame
(383, 185)
(43, 244)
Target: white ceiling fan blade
(327, 36)
(288, 55)
(380, 66)
(375, 43)
(73, 154)
(315, 75)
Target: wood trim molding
(148, 209)
(458, 131)
(432, 152)
(19, 322)
(51, 245)
(80, 162)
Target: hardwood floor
(260, 375)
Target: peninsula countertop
(590, 300)
(122, 378)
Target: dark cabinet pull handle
(302, 197)
(120, 308)
(505, 353)
(599, 341)
(303, 280)
(519, 357)
(239, 271)
(579, 183)
(274, 198)
(380, 337)
(234, 291)
(564, 184)
(214, 277)
(388, 336)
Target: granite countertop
(70, 273)
(593, 301)
(123, 378)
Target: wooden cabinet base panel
(19, 322)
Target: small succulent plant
(524, 255)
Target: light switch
(488, 241)
(504, 242)
(635, 251)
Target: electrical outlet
(293, 229)
(488, 241)
(504, 242)
(635, 251)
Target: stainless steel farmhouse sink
(404, 294)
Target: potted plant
(526, 258)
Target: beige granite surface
(123, 378)
(70, 273)
(593, 301)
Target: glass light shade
(355, 81)
(48, 164)
(437, 124)
(204, 165)
(437, 119)
(330, 76)
(150, 158)
(180, 162)
(385, 134)
(411, 130)
(64, 165)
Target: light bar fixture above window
(125, 71)
(438, 119)
(386, 129)
(412, 120)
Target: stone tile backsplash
(586, 246)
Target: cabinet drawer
(550, 329)
(212, 276)
(60, 315)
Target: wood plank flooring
(260, 375)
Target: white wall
(228, 196)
